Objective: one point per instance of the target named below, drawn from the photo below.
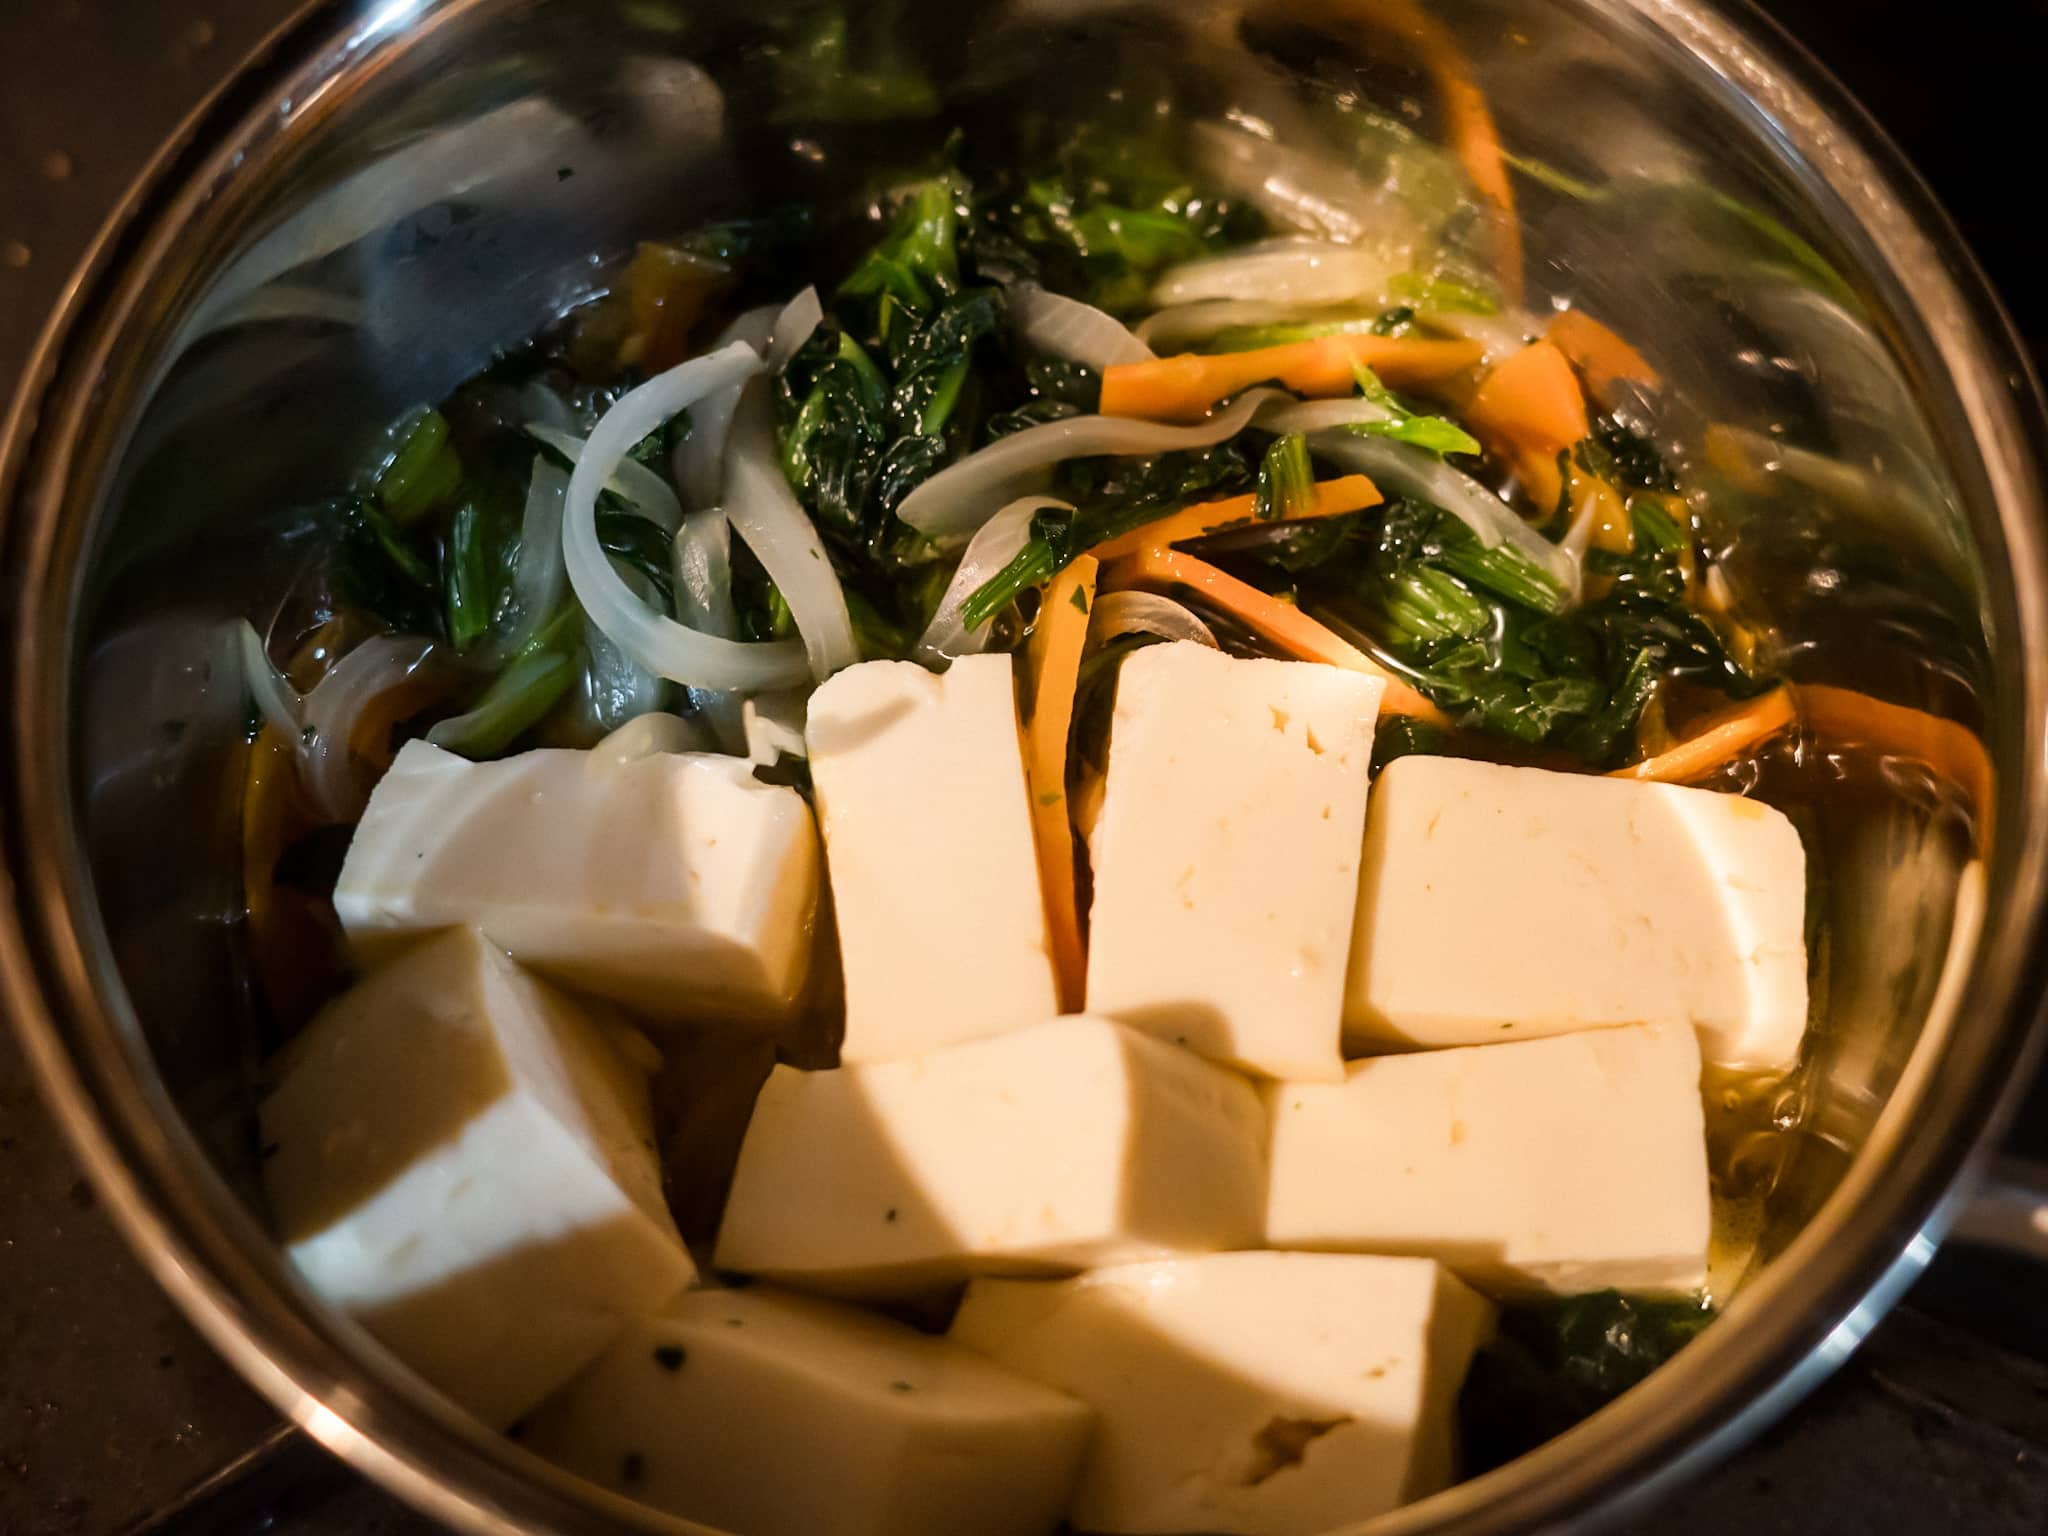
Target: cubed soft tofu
(775, 1415)
(1502, 903)
(461, 1158)
(676, 883)
(1273, 1394)
(1046, 1150)
(920, 786)
(1571, 1164)
(1225, 855)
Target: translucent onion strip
(994, 545)
(1144, 613)
(963, 496)
(1410, 471)
(537, 572)
(703, 571)
(765, 512)
(629, 478)
(1295, 189)
(1284, 271)
(1080, 333)
(334, 707)
(793, 326)
(669, 649)
(278, 700)
(1186, 326)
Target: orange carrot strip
(1842, 717)
(1602, 356)
(1053, 656)
(1529, 409)
(1347, 493)
(1183, 388)
(1468, 124)
(1282, 623)
(1723, 737)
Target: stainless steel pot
(390, 191)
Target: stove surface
(115, 1417)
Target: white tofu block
(1225, 855)
(1502, 903)
(1566, 1165)
(1272, 1394)
(775, 1415)
(920, 787)
(675, 883)
(1074, 1143)
(462, 1159)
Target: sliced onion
(963, 496)
(634, 481)
(1322, 415)
(332, 774)
(268, 686)
(1499, 335)
(774, 726)
(537, 572)
(765, 512)
(1186, 326)
(994, 545)
(699, 460)
(1315, 194)
(793, 326)
(704, 601)
(1144, 613)
(541, 404)
(1411, 471)
(664, 647)
(1067, 328)
(1284, 271)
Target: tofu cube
(775, 1415)
(920, 788)
(1503, 903)
(461, 1158)
(673, 882)
(1571, 1164)
(1225, 855)
(1270, 1394)
(1073, 1143)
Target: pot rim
(1797, 1321)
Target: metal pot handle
(2009, 1210)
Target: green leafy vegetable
(466, 577)
(1110, 497)
(1438, 434)
(639, 542)
(1440, 291)
(423, 471)
(516, 701)
(1287, 480)
(1554, 1363)
(822, 73)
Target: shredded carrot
(1720, 739)
(1835, 717)
(1053, 657)
(1282, 623)
(1598, 353)
(1347, 493)
(1183, 388)
(1529, 409)
(1468, 123)
(667, 292)
(1842, 717)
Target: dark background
(111, 1409)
